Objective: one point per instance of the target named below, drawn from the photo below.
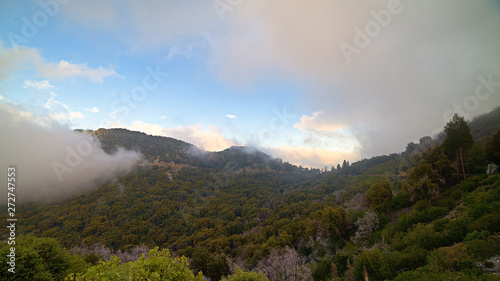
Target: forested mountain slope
(409, 216)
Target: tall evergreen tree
(345, 165)
(458, 139)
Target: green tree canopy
(39, 259)
(159, 265)
(457, 140)
(214, 267)
(424, 182)
(379, 195)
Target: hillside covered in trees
(428, 213)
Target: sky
(311, 82)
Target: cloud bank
(408, 64)
(427, 58)
(52, 161)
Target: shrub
(489, 222)
(476, 235)
(379, 195)
(469, 184)
(411, 258)
(159, 265)
(401, 201)
(447, 258)
(406, 221)
(40, 259)
(456, 230)
(440, 224)
(487, 181)
(422, 236)
(480, 209)
(483, 249)
(421, 205)
(321, 270)
(377, 264)
(466, 264)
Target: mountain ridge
(168, 149)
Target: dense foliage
(158, 265)
(40, 259)
(241, 215)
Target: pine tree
(345, 165)
(458, 139)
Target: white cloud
(319, 121)
(208, 138)
(1, 97)
(93, 109)
(230, 116)
(67, 69)
(60, 116)
(13, 60)
(61, 110)
(163, 116)
(39, 85)
(76, 115)
(54, 104)
(320, 132)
